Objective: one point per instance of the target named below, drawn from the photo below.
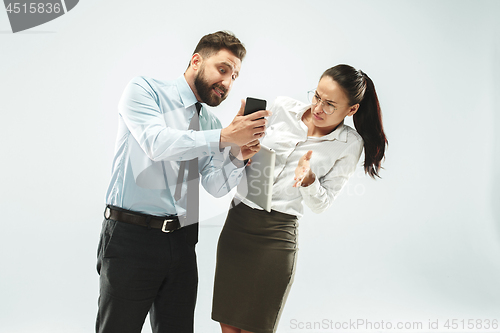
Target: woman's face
(331, 94)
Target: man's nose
(227, 82)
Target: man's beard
(205, 92)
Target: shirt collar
(187, 95)
(340, 133)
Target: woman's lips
(317, 117)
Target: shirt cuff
(232, 173)
(237, 162)
(231, 163)
(212, 138)
(312, 189)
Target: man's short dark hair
(213, 43)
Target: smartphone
(254, 104)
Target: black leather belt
(166, 224)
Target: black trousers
(146, 270)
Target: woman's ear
(353, 109)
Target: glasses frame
(312, 94)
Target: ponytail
(368, 123)
(359, 89)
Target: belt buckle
(165, 222)
(107, 213)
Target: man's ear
(196, 61)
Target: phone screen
(254, 104)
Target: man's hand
(244, 129)
(303, 174)
(247, 151)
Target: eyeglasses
(325, 106)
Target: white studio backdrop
(420, 245)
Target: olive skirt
(256, 257)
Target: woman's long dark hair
(360, 89)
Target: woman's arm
(320, 192)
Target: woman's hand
(303, 174)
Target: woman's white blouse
(333, 160)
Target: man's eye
(222, 70)
(234, 77)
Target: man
(146, 256)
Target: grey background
(421, 244)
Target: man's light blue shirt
(153, 138)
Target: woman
(315, 155)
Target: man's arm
(219, 174)
(140, 110)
